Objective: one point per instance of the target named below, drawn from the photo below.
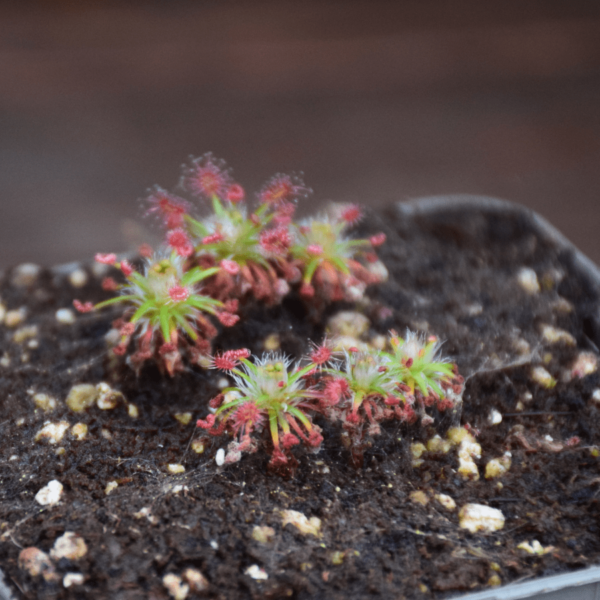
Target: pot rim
(455, 202)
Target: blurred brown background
(375, 101)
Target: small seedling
(328, 258)
(268, 393)
(374, 386)
(166, 305)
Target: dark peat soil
(451, 274)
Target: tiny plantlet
(330, 269)
(267, 395)
(162, 301)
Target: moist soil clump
(458, 275)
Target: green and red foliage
(368, 388)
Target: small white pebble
(198, 446)
(306, 526)
(15, 317)
(478, 517)
(528, 280)
(78, 278)
(270, 344)
(535, 548)
(79, 431)
(379, 342)
(467, 451)
(197, 581)
(52, 432)
(495, 417)
(145, 512)
(563, 305)
(25, 275)
(177, 489)
(345, 342)
(542, 377)
(554, 335)
(263, 534)
(133, 411)
(65, 316)
(110, 486)
(214, 544)
(184, 418)
(36, 562)
(25, 333)
(81, 397)
(497, 467)
(5, 360)
(223, 383)
(521, 346)
(45, 402)
(175, 586)
(256, 572)
(379, 270)
(585, 364)
(14, 457)
(419, 497)
(446, 501)
(69, 545)
(73, 579)
(348, 324)
(596, 395)
(175, 469)
(107, 397)
(220, 457)
(50, 494)
(99, 269)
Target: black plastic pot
(583, 584)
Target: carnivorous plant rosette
(417, 363)
(328, 258)
(252, 248)
(164, 302)
(373, 386)
(268, 393)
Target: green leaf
(197, 227)
(340, 264)
(186, 326)
(296, 412)
(163, 316)
(204, 303)
(142, 310)
(197, 274)
(310, 270)
(218, 207)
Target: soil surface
(452, 274)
